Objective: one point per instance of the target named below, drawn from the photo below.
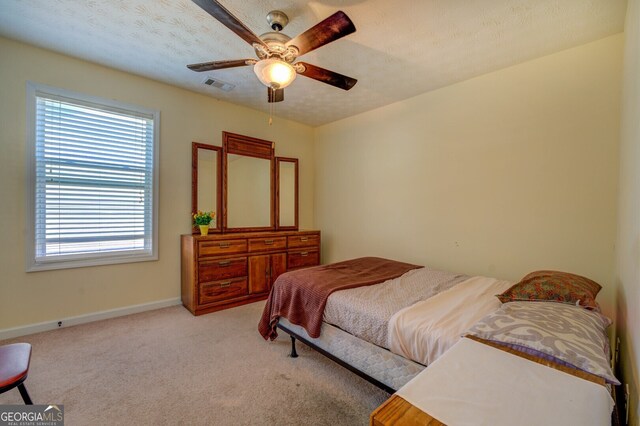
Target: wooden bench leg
(25, 395)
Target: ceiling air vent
(222, 85)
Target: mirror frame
(277, 201)
(252, 147)
(194, 183)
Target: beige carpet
(169, 367)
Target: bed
(388, 329)
(460, 349)
(541, 363)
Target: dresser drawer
(299, 259)
(221, 290)
(303, 241)
(262, 244)
(219, 269)
(221, 247)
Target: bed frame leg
(293, 354)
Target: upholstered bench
(14, 367)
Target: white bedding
(365, 311)
(425, 330)
(475, 384)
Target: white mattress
(388, 368)
(475, 384)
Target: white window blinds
(94, 167)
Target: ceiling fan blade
(334, 27)
(215, 9)
(326, 76)
(275, 95)
(218, 65)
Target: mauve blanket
(300, 296)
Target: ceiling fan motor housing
(276, 42)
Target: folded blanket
(300, 296)
(424, 331)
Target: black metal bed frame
(294, 354)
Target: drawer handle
(304, 238)
(224, 263)
(304, 253)
(224, 245)
(268, 242)
(225, 284)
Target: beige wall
(185, 117)
(500, 175)
(628, 244)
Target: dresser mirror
(248, 195)
(206, 181)
(286, 193)
(247, 187)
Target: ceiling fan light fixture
(274, 73)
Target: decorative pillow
(569, 334)
(553, 286)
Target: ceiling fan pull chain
(273, 94)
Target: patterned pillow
(569, 334)
(553, 286)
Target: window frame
(90, 259)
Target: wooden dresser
(221, 271)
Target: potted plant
(203, 220)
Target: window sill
(88, 262)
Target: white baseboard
(10, 333)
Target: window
(92, 180)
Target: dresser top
(255, 234)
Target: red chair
(14, 367)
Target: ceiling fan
(276, 51)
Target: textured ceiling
(401, 48)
